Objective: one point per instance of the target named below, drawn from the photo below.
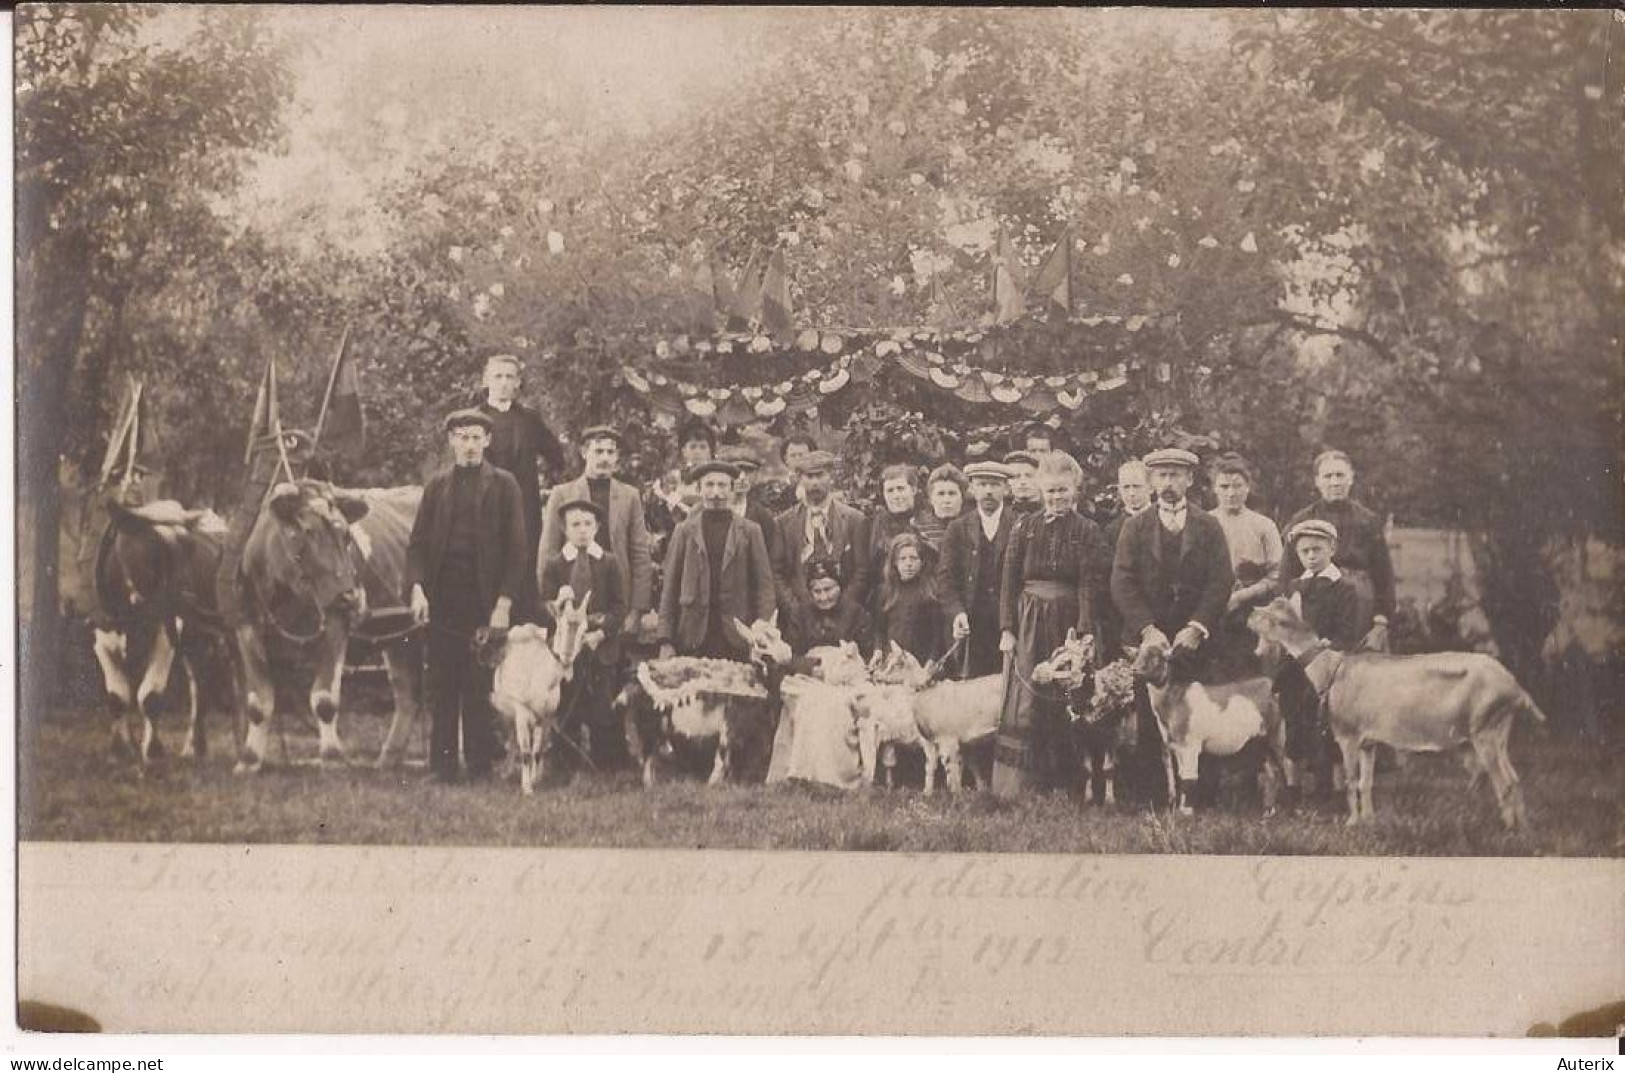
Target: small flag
(700, 302)
(776, 315)
(341, 419)
(723, 294)
(1009, 289)
(747, 307)
(267, 415)
(1053, 284)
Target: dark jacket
(809, 628)
(685, 592)
(500, 554)
(957, 578)
(1150, 589)
(605, 611)
(515, 446)
(848, 534)
(1332, 609)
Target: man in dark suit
(744, 461)
(819, 527)
(1171, 578)
(519, 437)
(1133, 497)
(1171, 573)
(465, 565)
(972, 568)
(716, 571)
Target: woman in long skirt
(1054, 574)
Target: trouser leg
(443, 693)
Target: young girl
(910, 612)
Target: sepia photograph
(825, 521)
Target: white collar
(1331, 573)
(499, 407)
(571, 553)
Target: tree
(128, 121)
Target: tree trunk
(53, 293)
(1520, 596)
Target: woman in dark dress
(910, 612)
(1054, 576)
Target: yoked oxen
(153, 585)
(315, 561)
(1462, 701)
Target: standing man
(745, 465)
(465, 564)
(716, 571)
(1362, 546)
(819, 527)
(519, 437)
(623, 534)
(1171, 579)
(1255, 559)
(971, 570)
(1134, 495)
(1171, 576)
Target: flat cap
(815, 462)
(1312, 527)
(583, 504)
(741, 458)
(1171, 456)
(987, 469)
(715, 465)
(1018, 457)
(602, 432)
(464, 418)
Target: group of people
(986, 576)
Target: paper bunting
(941, 358)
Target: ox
(1216, 720)
(153, 580)
(945, 716)
(1464, 701)
(300, 586)
(529, 680)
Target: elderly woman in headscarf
(1054, 576)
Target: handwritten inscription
(334, 938)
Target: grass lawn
(73, 790)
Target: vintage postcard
(819, 521)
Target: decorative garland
(859, 356)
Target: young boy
(1330, 601)
(583, 566)
(1331, 606)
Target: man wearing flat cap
(819, 527)
(716, 571)
(745, 465)
(1171, 574)
(622, 533)
(972, 568)
(465, 565)
(519, 437)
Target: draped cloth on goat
(817, 740)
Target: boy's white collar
(571, 553)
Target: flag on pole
(1053, 284)
(1009, 288)
(776, 315)
(118, 442)
(747, 307)
(267, 415)
(723, 296)
(341, 419)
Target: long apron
(1033, 750)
